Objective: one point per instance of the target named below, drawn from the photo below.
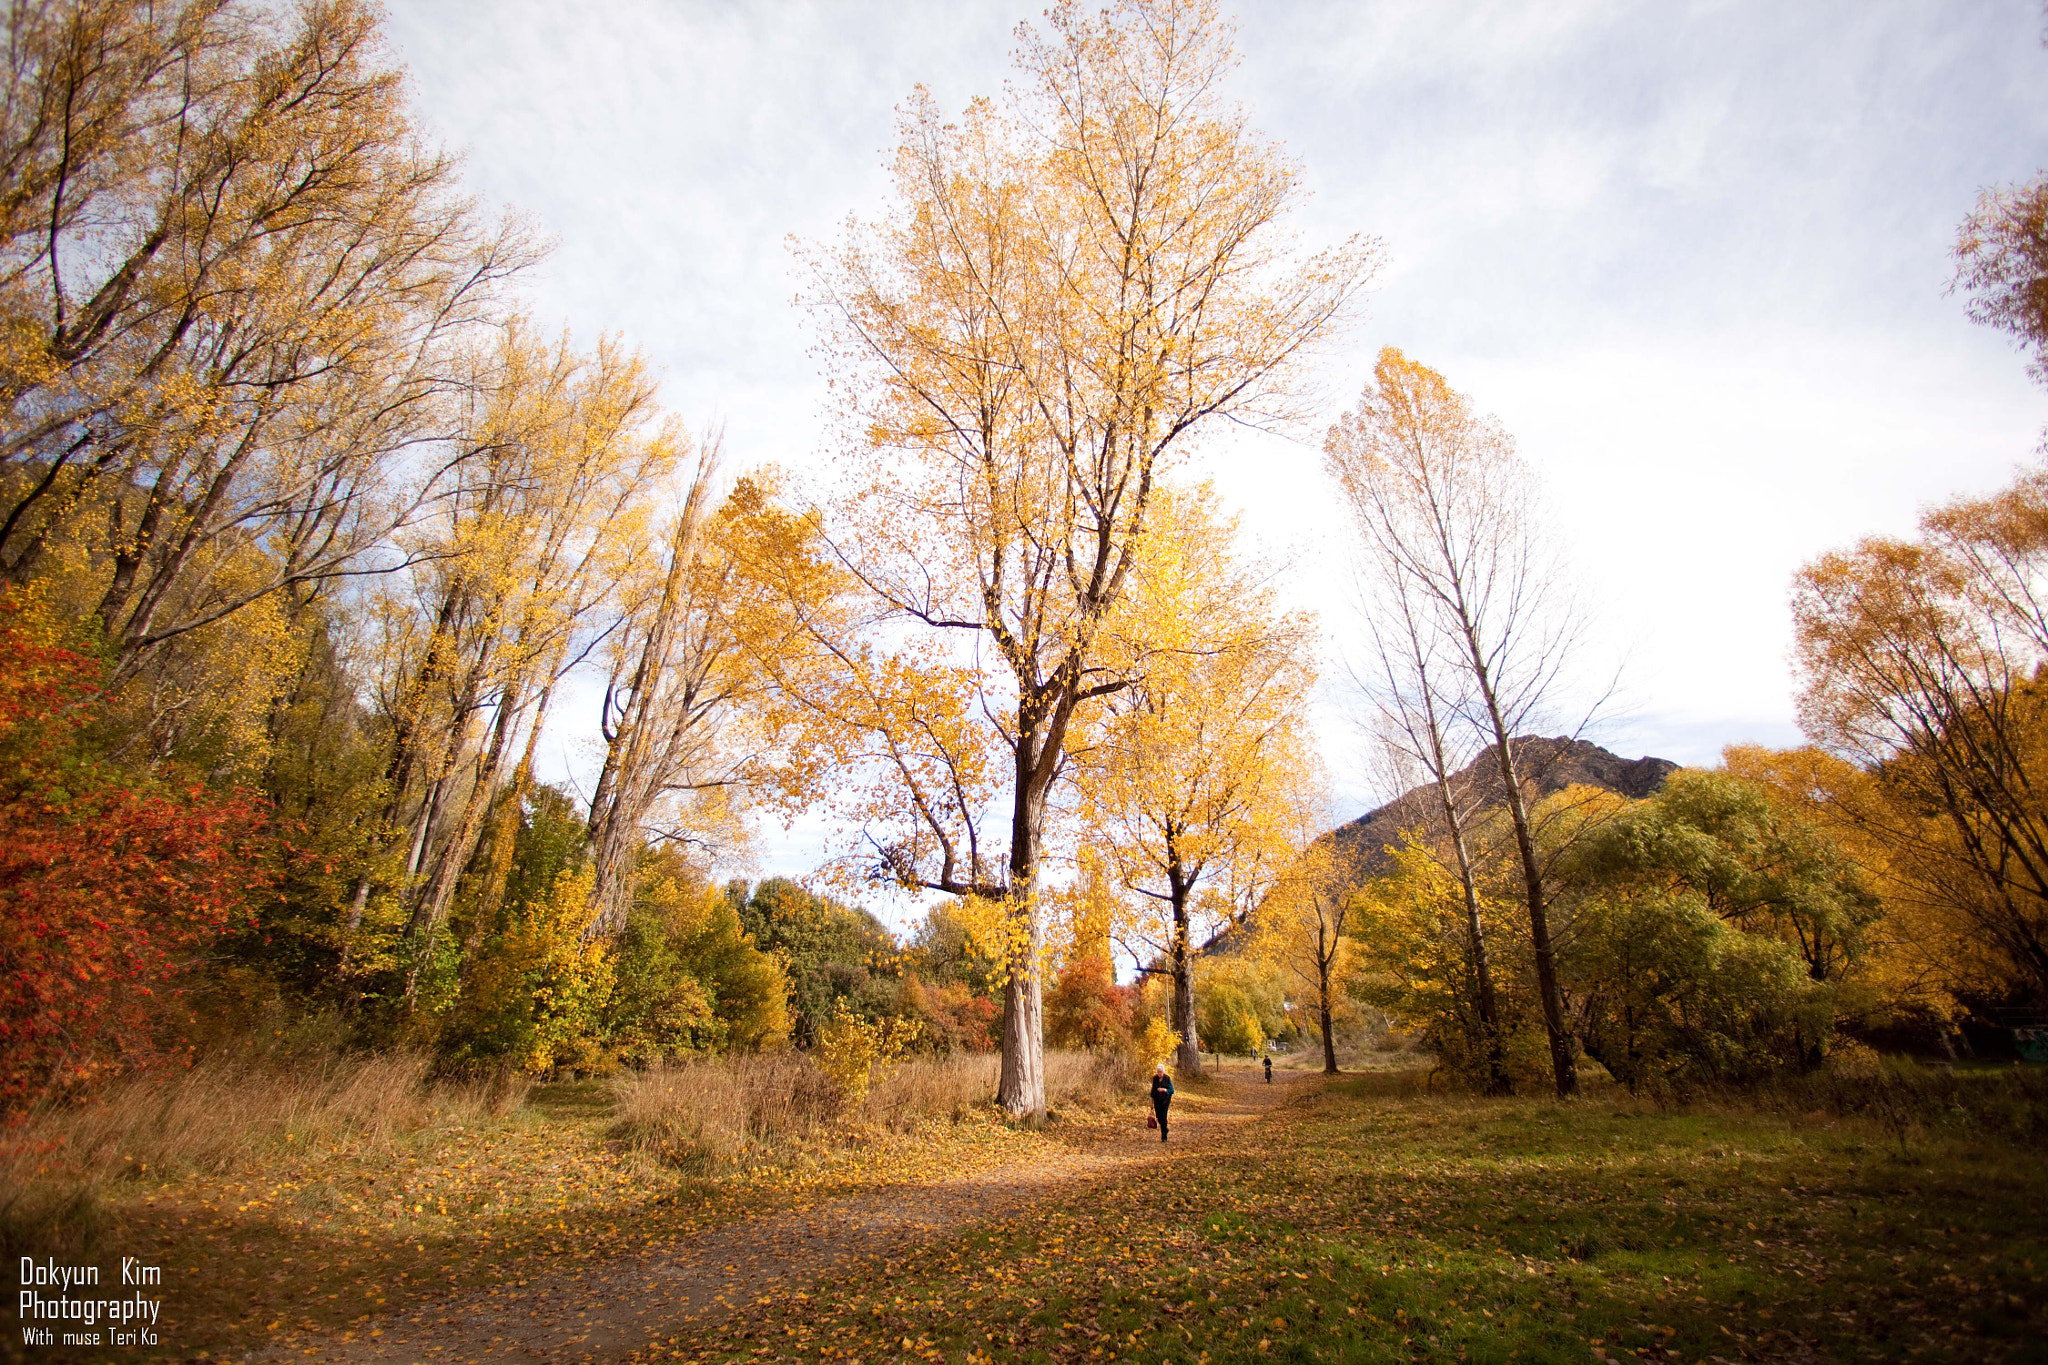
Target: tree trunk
(408, 751)
(491, 898)
(635, 765)
(462, 843)
(1564, 1070)
(1187, 1058)
(1497, 1080)
(423, 926)
(1491, 1041)
(1021, 1089)
(1329, 1030)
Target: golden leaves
(1192, 773)
(1922, 660)
(1067, 290)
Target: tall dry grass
(732, 1111)
(722, 1111)
(224, 1114)
(1906, 1100)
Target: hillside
(1548, 765)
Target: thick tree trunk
(1187, 1058)
(1021, 1089)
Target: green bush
(689, 979)
(1675, 996)
(831, 953)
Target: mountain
(1548, 765)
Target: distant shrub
(1086, 1008)
(1155, 1042)
(1228, 1022)
(689, 979)
(831, 953)
(535, 994)
(951, 1016)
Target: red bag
(1151, 1120)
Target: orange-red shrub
(1085, 1007)
(109, 887)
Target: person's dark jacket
(1162, 1090)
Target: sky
(1694, 256)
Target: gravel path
(609, 1311)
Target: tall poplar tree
(1186, 778)
(1067, 289)
(1441, 501)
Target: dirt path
(614, 1309)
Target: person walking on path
(1162, 1095)
(1269, 1071)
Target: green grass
(1375, 1223)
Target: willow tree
(1185, 778)
(1067, 289)
(1922, 661)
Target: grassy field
(1368, 1220)
(280, 1204)
(1374, 1222)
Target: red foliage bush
(1085, 1007)
(108, 887)
(954, 1018)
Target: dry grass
(1911, 1103)
(722, 1111)
(930, 1087)
(953, 1087)
(733, 1111)
(226, 1114)
(318, 1191)
(1094, 1080)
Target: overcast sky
(1693, 255)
